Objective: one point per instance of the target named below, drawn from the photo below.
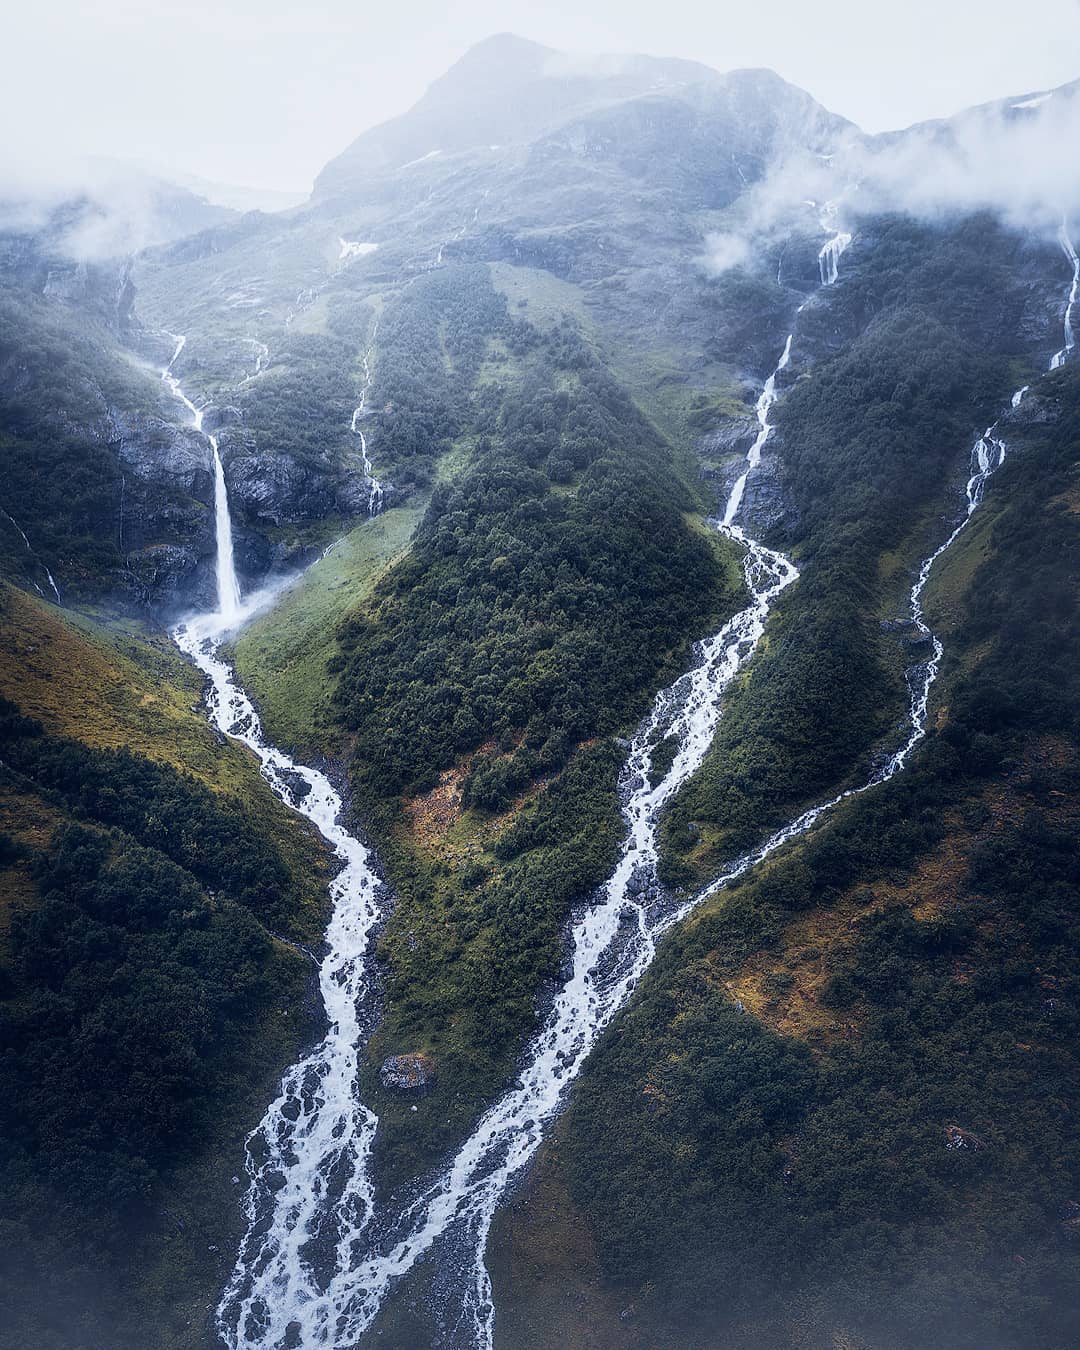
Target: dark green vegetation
(432, 341)
(476, 936)
(63, 382)
(895, 969)
(870, 444)
(552, 586)
(146, 1004)
(530, 616)
(882, 1147)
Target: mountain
(507, 94)
(654, 519)
(504, 92)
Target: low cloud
(1016, 158)
(96, 209)
(725, 251)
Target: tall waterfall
(375, 488)
(833, 248)
(228, 588)
(307, 1159)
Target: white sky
(262, 93)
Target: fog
(114, 100)
(1016, 158)
(263, 94)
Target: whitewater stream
(1059, 358)
(307, 1161)
(318, 1261)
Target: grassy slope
(281, 656)
(121, 687)
(453, 916)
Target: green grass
(121, 686)
(281, 657)
(538, 296)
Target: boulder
(413, 1073)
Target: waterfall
(307, 1161)
(613, 942)
(833, 248)
(1059, 358)
(375, 489)
(228, 588)
(753, 458)
(22, 535)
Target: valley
(537, 772)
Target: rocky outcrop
(415, 1074)
(730, 441)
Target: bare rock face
(734, 436)
(415, 1074)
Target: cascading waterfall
(309, 1194)
(228, 588)
(375, 494)
(613, 943)
(833, 248)
(307, 1161)
(1059, 358)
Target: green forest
(909, 1163)
(869, 443)
(140, 998)
(554, 584)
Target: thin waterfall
(1059, 358)
(375, 488)
(307, 1161)
(228, 587)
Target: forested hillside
(539, 517)
(840, 1105)
(148, 997)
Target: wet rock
(172, 575)
(763, 506)
(415, 1073)
(733, 437)
(215, 418)
(298, 785)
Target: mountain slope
(148, 994)
(837, 1109)
(504, 91)
(544, 349)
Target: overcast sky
(262, 93)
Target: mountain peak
(505, 90)
(503, 47)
